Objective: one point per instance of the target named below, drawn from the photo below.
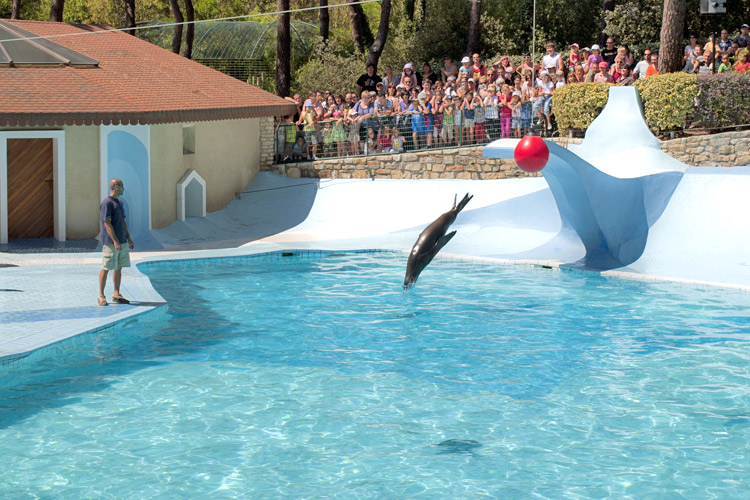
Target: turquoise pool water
(319, 378)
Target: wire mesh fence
(405, 132)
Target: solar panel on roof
(21, 47)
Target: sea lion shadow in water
(457, 446)
(431, 241)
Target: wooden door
(30, 189)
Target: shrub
(668, 99)
(723, 99)
(577, 105)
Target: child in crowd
(515, 113)
(491, 115)
(397, 141)
(448, 110)
(603, 74)
(353, 123)
(327, 135)
(467, 106)
(299, 150)
(594, 60)
(339, 134)
(575, 56)
(437, 117)
(505, 111)
(309, 118)
(742, 65)
(384, 139)
(480, 131)
(372, 146)
(725, 65)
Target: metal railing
(403, 132)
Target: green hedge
(576, 106)
(668, 99)
(723, 99)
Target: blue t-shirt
(112, 209)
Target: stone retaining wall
(727, 149)
(723, 150)
(450, 163)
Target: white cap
(353, 112)
(586, 49)
(408, 66)
(422, 95)
(543, 72)
(451, 78)
(465, 60)
(595, 47)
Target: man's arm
(111, 233)
(127, 235)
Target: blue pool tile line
(59, 313)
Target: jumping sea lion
(430, 241)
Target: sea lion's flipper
(443, 241)
(462, 204)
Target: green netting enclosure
(245, 50)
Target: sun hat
(603, 65)
(595, 47)
(465, 60)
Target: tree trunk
(672, 25)
(283, 50)
(360, 29)
(607, 5)
(472, 44)
(130, 16)
(56, 10)
(409, 7)
(177, 38)
(377, 46)
(16, 12)
(325, 21)
(190, 35)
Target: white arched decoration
(191, 196)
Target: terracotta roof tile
(135, 82)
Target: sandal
(102, 301)
(119, 299)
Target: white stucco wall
(227, 156)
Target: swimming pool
(316, 376)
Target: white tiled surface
(47, 303)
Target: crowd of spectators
(472, 102)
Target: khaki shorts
(113, 260)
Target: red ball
(531, 154)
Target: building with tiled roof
(82, 104)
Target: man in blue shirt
(114, 231)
